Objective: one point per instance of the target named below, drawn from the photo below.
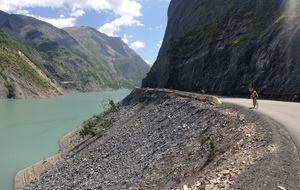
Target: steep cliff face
(223, 46)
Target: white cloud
(109, 29)
(60, 22)
(114, 26)
(22, 12)
(157, 27)
(77, 13)
(148, 62)
(137, 45)
(18, 6)
(126, 11)
(125, 38)
(159, 43)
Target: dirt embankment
(163, 141)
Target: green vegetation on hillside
(95, 125)
(67, 66)
(11, 90)
(10, 59)
(43, 44)
(122, 83)
(265, 15)
(48, 46)
(114, 69)
(84, 63)
(33, 34)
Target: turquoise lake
(30, 129)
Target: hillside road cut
(285, 113)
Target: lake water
(30, 129)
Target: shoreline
(66, 144)
(189, 139)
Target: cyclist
(254, 96)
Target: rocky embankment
(162, 141)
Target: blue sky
(140, 23)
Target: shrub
(113, 106)
(212, 145)
(110, 106)
(212, 148)
(89, 129)
(11, 90)
(90, 126)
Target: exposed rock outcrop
(223, 46)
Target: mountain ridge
(68, 60)
(20, 77)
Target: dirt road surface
(286, 113)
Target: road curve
(286, 113)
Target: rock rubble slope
(163, 141)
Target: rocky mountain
(224, 46)
(115, 55)
(90, 62)
(21, 75)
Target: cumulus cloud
(126, 11)
(59, 22)
(114, 26)
(137, 45)
(77, 13)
